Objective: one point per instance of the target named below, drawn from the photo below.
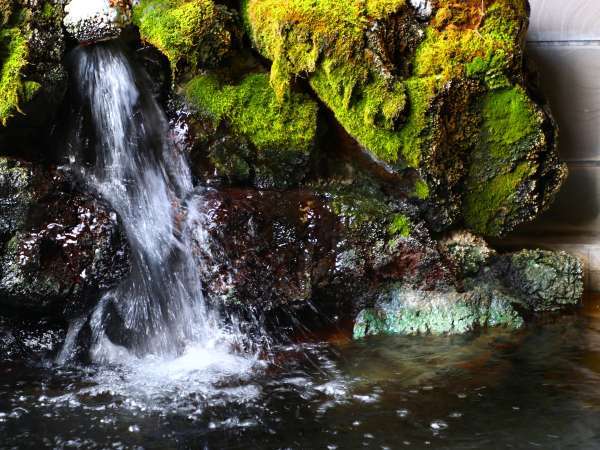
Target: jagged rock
(446, 96)
(467, 252)
(268, 249)
(409, 312)
(96, 20)
(60, 247)
(546, 281)
(33, 81)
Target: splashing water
(155, 325)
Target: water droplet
(455, 415)
(403, 413)
(438, 425)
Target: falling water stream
(154, 327)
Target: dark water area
(539, 388)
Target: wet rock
(269, 249)
(546, 281)
(409, 312)
(467, 252)
(437, 87)
(96, 20)
(34, 82)
(62, 247)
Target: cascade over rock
(349, 155)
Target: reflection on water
(539, 388)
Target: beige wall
(564, 41)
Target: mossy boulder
(190, 33)
(267, 143)
(547, 281)
(409, 312)
(443, 93)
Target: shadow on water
(539, 388)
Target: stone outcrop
(60, 248)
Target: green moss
(325, 39)
(486, 208)
(252, 109)
(401, 226)
(190, 30)
(13, 57)
(510, 128)
(421, 190)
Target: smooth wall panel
(564, 20)
(570, 78)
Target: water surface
(539, 388)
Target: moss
(252, 110)
(421, 190)
(401, 226)
(13, 57)
(325, 39)
(510, 129)
(184, 30)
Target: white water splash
(154, 333)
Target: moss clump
(387, 115)
(421, 190)
(190, 30)
(13, 59)
(252, 110)
(400, 226)
(500, 171)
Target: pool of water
(539, 388)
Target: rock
(269, 249)
(96, 20)
(467, 252)
(190, 33)
(409, 312)
(33, 81)
(445, 96)
(62, 247)
(250, 138)
(546, 281)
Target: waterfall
(158, 309)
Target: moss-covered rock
(188, 32)
(409, 312)
(32, 76)
(444, 96)
(270, 142)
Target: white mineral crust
(95, 20)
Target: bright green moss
(400, 226)
(325, 39)
(13, 57)
(252, 109)
(421, 190)
(189, 30)
(511, 126)
(508, 118)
